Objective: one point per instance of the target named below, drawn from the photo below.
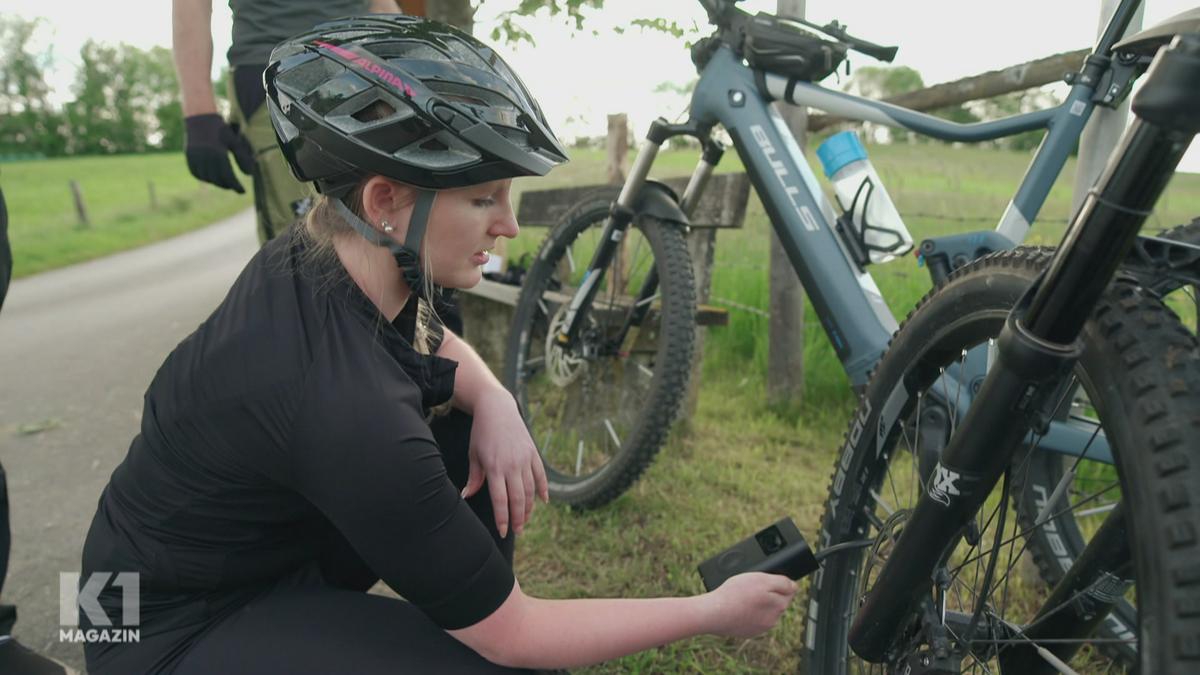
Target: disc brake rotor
(562, 364)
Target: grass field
(46, 232)
(745, 464)
(938, 189)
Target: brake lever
(838, 31)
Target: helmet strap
(407, 254)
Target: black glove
(209, 142)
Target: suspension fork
(691, 196)
(1038, 345)
(621, 216)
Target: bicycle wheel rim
(599, 422)
(881, 491)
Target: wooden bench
(722, 205)
(488, 307)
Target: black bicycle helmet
(454, 115)
(460, 115)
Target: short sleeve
(363, 454)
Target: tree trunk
(987, 85)
(785, 329)
(457, 13)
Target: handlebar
(727, 17)
(837, 31)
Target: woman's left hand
(503, 453)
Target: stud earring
(386, 227)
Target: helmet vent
(467, 54)
(407, 49)
(434, 145)
(306, 77)
(378, 110)
(336, 120)
(469, 95)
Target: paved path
(78, 347)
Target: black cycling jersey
(290, 424)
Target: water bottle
(870, 223)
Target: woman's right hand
(748, 605)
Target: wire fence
(738, 305)
(976, 219)
(876, 272)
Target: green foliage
(126, 99)
(884, 81)
(1015, 103)
(27, 123)
(573, 13)
(661, 25)
(169, 117)
(880, 82)
(123, 95)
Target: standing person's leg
(15, 659)
(6, 260)
(8, 613)
(279, 199)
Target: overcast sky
(579, 79)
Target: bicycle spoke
(649, 300)
(879, 500)
(1092, 512)
(914, 446)
(592, 397)
(608, 425)
(892, 483)
(1025, 533)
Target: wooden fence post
(80, 207)
(616, 164)
(785, 333)
(986, 85)
(1104, 129)
(617, 148)
(413, 7)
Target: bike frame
(1036, 350)
(847, 300)
(1027, 364)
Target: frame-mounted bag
(783, 49)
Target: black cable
(860, 543)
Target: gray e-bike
(601, 345)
